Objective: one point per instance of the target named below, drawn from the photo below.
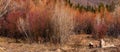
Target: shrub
(114, 29)
(62, 21)
(84, 22)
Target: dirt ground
(76, 43)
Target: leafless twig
(4, 4)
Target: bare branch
(4, 4)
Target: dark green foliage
(101, 6)
(79, 7)
(69, 2)
(90, 8)
(110, 7)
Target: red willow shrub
(11, 22)
(39, 21)
(87, 23)
(10, 25)
(37, 24)
(114, 24)
(84, 22)
(34, 22)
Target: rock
(58, 50)
(91, 45)
(104, 45)
(2, 49)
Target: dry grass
(76, 43)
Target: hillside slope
(93, 2)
